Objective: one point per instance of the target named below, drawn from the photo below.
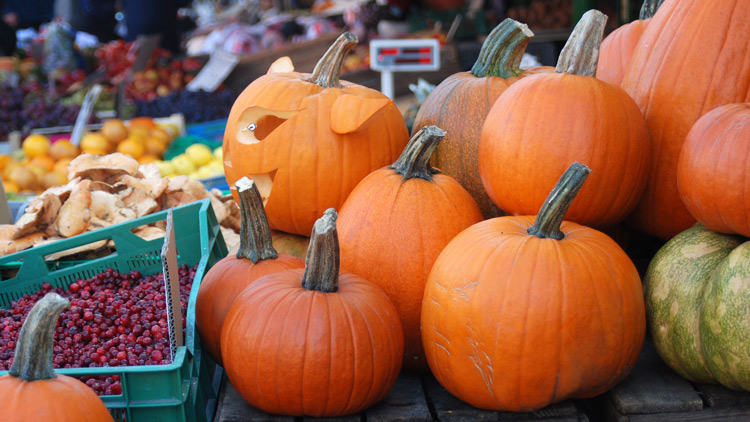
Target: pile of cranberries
(114, 320)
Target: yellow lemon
(94, 143)
(165, 168)
(219, 154)
(183, 165)
(35, 146)
(199, 154)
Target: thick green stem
(649, 8)
(581, 52)
(328, 70)
(32, 360)
(415, 159)
(550, 217)
(503, 50)
(256, 243)
(322, 261)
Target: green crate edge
(196, 371)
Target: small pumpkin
(520, 311)
(313, 342)
(395, 224)
(544, 122)
(254, 258)
(32, 391)
(712, 167)
(617, 48)
(691, 58)
(697, 294)
(308, 139)
(460, 104)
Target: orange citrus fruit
(160, 134)
(63, 149)
(154, 146)
(139, 131)
(114, 130)
(43, 161)
(131, 147)
(62, 165)
(145, 122)
(5, 159)
(35, 146)
(94, 143)
(24, 178)
(54, 178)
(148, 158)
(9, 168)
(10, 186)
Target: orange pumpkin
(307, 140)
(313, 342)
(712, 167)
(395, 224)
(521, 312)
(255, 258)
(617, 49)
(692, 58)
(32, 391)
(460, 104)
(544, 122)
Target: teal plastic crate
(184, 390)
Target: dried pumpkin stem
(328, 70)
(322, 261)
(32, 360)
(503, 50)
(550, 217)
(649, 8)
(415, 159)
(581, 53)
(256, 243)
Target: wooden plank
(450, 409)
(654, 388)
(719, 397)
(233, 408)
(348, 418)
(707, 415)
(405, 403)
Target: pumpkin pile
(475, 250)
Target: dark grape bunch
(11, 107)
(196, 106)
(114, 320)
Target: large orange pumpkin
(395, 224)
(712, 168)
(32, 391)
(693, 57)
(255, 258)
(459, 105)
(307, 140)
(617, 49)
(544, 122)
(519, 312)
(313, 342)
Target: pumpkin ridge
(351, 333)
(372, 349)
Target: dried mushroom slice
(219, 210)
(103, 168)
(150, 233)
(106, 187)
(75, 214)
(40, 213)
(196, 189)
(153, 187)
(6, 231)
(149, 171)
(22, 243)
(140, 202)
(176, 183)
(95, 246)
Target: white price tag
(172, 287)
(219, 66)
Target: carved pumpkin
(32, 391)
(691, 59)
(617, 49)
(313, 342)
(395, 224)
(307, 140)
(255, 258)
(544, 122)
(712, 167)
(521, 312)
(459, 105)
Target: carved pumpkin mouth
(264, 183)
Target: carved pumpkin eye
(251, 127)
(256, 123)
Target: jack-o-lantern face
(308, 139)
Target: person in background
(96, 17)
(21, 14)
(150, 17)
(7, 36)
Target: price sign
(388, 56)
(172, 287)
(219, 66)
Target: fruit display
(196, 106)
(543, 14)
(197, 162)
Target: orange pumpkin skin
(391, 230)
(65, 400)
(692, 58)
(291, 351)
(617, 50)
(529, 138)
(313, 164)
(522, 306)
(712, 167)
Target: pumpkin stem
(581, 52)
(649, 8)
(550, 217)
(328, 70)
(256, 243)
(415, 159)
(503, 50)
(32, 360)
(322, 261)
